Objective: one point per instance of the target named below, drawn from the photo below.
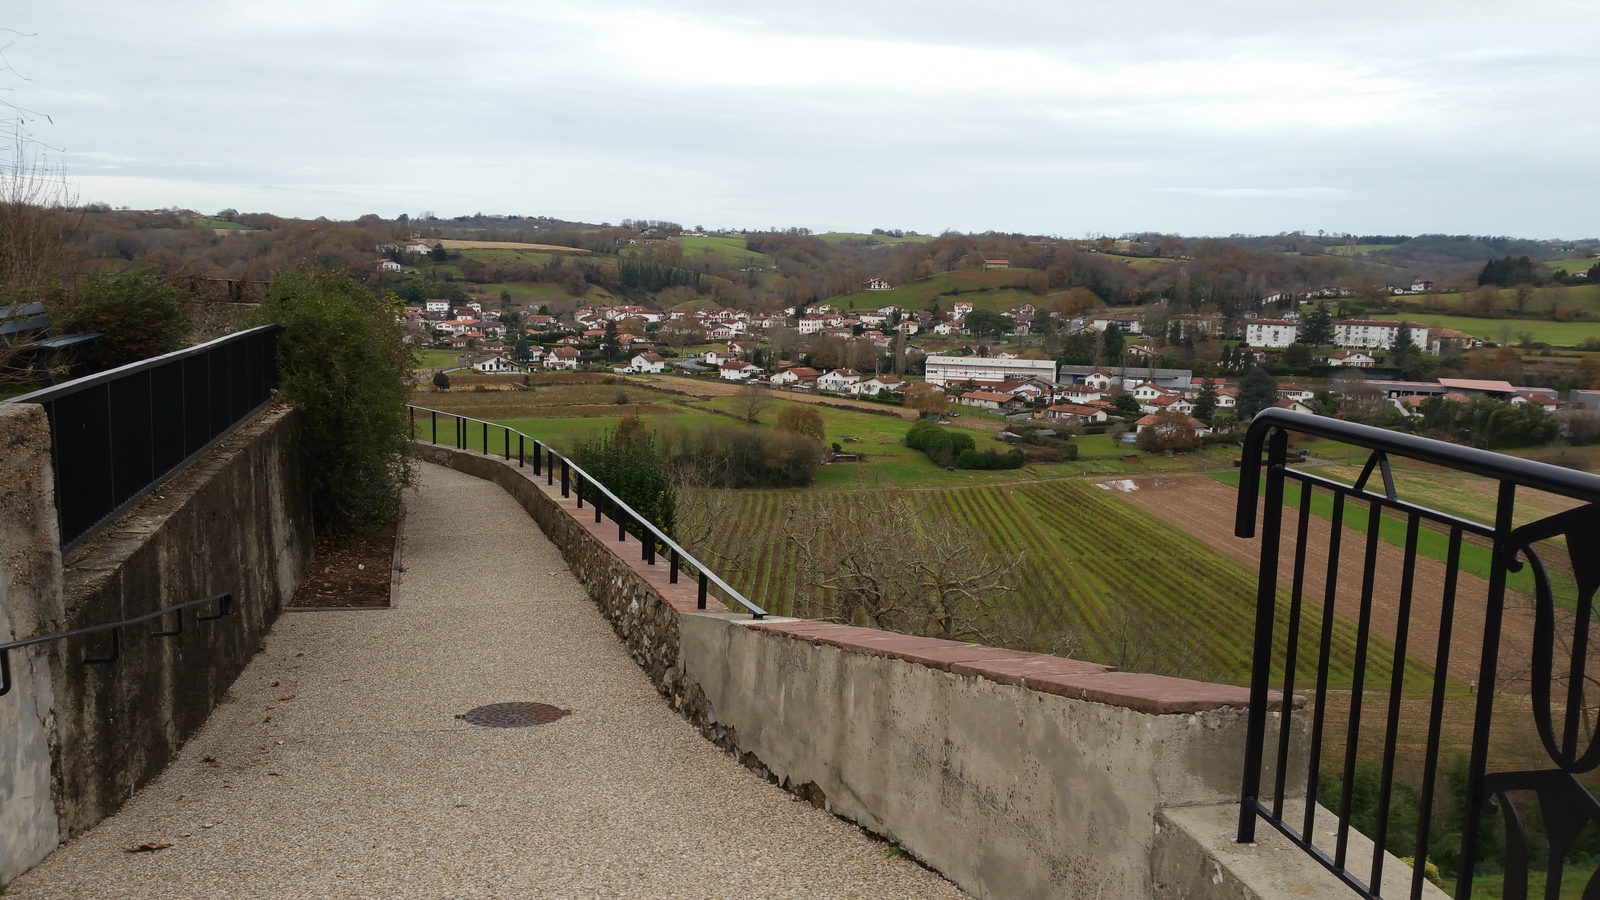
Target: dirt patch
(352, 574)
(1204, 508)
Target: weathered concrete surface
(341, 770)
(1010, 782)
(30, 604)
(1272, 868)
(236, 520)
(1008, 791)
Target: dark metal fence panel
(117, 434)
(600, 497)
(1403, 697)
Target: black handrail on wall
(573, 479)
(1565, 805)
(224, 608)
(117, 434)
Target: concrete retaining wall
(237, 520)
(1012, 774)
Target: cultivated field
(995, 289)
(1559, 334)
(1118, 585)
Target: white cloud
(1464, 115)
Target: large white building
(1375, 334)
(1277, 333)
(946, 371)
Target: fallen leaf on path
(148, 847)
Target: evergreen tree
(1257, 391)
(1402, 340)
(1205, 405)
(609, 347)
(1128, 406)
(1317, 329)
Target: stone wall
(30, 605)
(236, 521)
(1012, 774)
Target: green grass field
(1579, 296)
(1559, 334)
(536, 294)
(730, 248)
(1573, 266)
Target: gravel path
(337, 768)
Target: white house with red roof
(562, 358)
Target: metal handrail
(56, 392)
(1526, 472)
(224, 608)
(678, 553)
(1564, 804)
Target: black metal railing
(119, 433)
(224, 604)
(457, 432)
(1410, 698)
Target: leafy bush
(942, 445)
(139, 313)
(629, 462)
(343, 363)
(990, 459)
(736, 457)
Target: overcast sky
(1047, 117)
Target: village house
(496, 365)
(1448, 342)
(812, 324)
(1293, 406)
(1145, 391)
(1100, 380)
(1073, 412)
(877, 284)
(1296, 392)
(650, 363)
(799, 376)
(736, 370)
(419, 247)
(742, 349)
(991, 400)
(872, 387)
(838, 380)
(562, 358)
(996, 263)
(1353, 358)
(437, 308)
(388, 265)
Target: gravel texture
(337, 766)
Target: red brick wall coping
(1156, 695)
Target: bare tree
(751, 403)
(35, 222)
(874, 559)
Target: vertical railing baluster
(577, 488)
(1266, 601)
(1441, 678)
(508, 441)
(1291, 653)
(1488, 671)
(1358, 680)
(700, 602)
(672, 572)
(1396, 685)
(520, 438)
(566, 477)
(1324, 660)
(434, 415)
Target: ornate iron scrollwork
(1565, 805)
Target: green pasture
(535, 294)
(1560, 334)
(729, 248)
(1573, 266)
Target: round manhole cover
(513, 715)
